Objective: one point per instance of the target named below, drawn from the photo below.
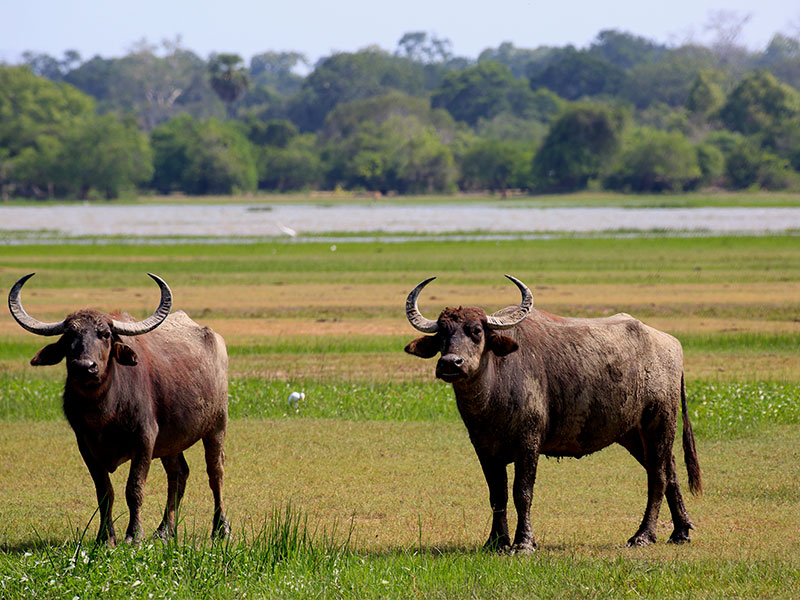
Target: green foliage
(624, 49)
(401, 148)
(748, 166)
(294, 166)
(654, 161)
(705, 95)
(760, 103)
(577, 147)
(481, 92)
(105, 153)
(496, 165)
(275, 70)
(711, 161)
(518, 60)
(575, 74)
(668, 79)
(346, 77)
(201, 157)
(229, 77)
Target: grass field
(371, 488)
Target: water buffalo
(528, 383)
(136, 397)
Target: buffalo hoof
(524, 548)
(222, 530)
(680, 535)
(500, 544)
(642, 538)
(164, 533)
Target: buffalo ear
(425, 347)
(124, 354)
(52, 354)
(502, 344)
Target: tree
(748, 165)
(418, 46)
(228, 78)
(574, 74)
(202, 157)
(346, 77)
(760, 103)
(577, 147)
(654, 161)
(36, 116)
(519, 60)
(400, 154)
(669, 79)
(481, 92)
(292, 167)
(496, 165)
(45, 65)
(705, 96)
(625, 50)
(106, 153)
(276, 70)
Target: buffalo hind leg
(215, 458)
(681, 522)
(497, 479)
(661, 480)
(524, 478)
(177, 473)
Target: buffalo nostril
(458, 361)
(93, 368)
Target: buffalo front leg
(105, 496)
(134, 492)
(215, 458)
(177, 474)
(494, 471)
(524, 478)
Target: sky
(318, 28)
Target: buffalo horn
(507, 321)
(24, 319)
(412, 310)
(151, 322)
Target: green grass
(717, 410)
(585, 260)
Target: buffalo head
(89, 339)
(464, 335)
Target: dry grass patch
(406, 483)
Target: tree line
(625, 113)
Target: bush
(749, 166)
(655, 161)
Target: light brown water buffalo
(529, 383)
(130, 396)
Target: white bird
(287, 230)
(295, 398)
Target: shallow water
(228, 220)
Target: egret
(295, 398)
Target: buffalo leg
(655, 465)
(215, 458)
(134, 492)
(680, 516)
(105, 497)
(497, 479)
(524, 478)
(177, 474)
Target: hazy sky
(317, 28)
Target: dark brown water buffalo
(136, 397)
(562, 387)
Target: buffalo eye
(475, 331)
(103, 334)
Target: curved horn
(24, 319)
(519, 314)
(412, 311)
(151, 322)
